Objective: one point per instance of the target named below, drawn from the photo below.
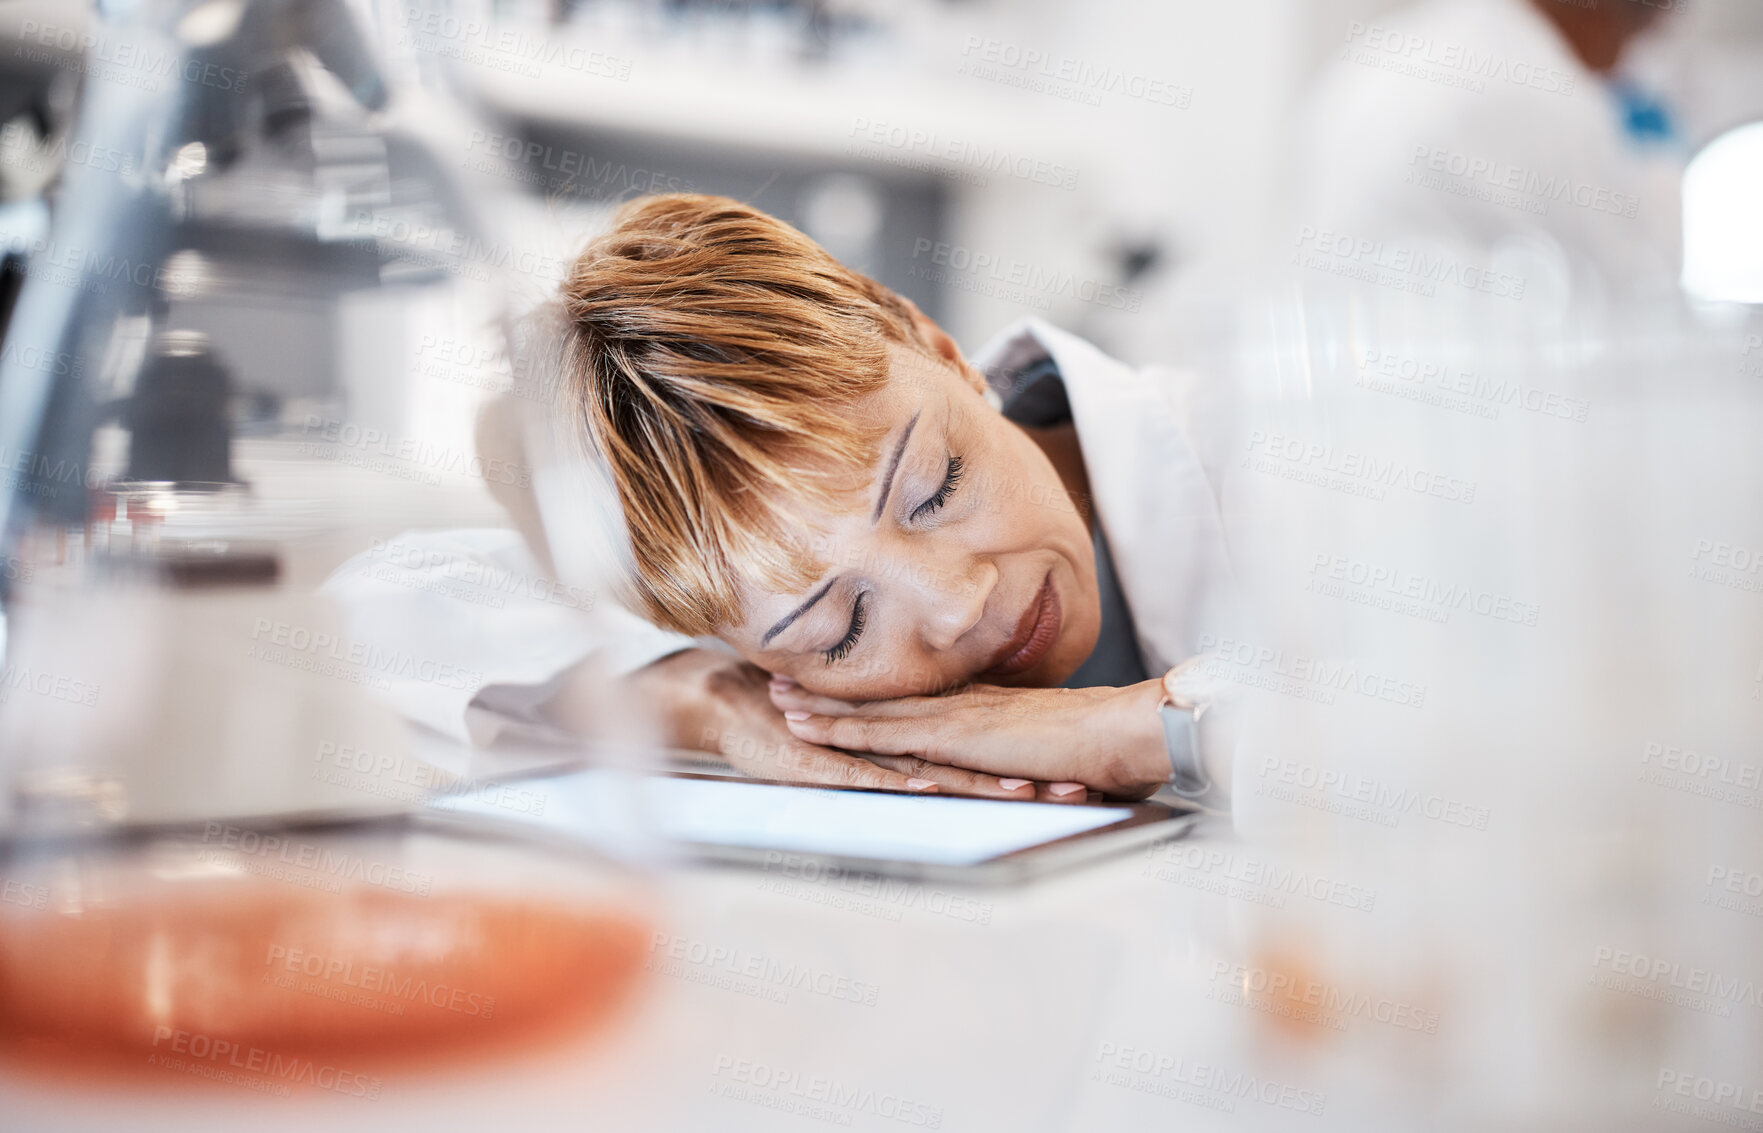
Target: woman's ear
(944, 347)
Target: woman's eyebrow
(783, 623)
(893, 466)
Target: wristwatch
(1181, 736)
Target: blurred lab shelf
(796, 110)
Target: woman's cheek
(889, 678)
(851, 679)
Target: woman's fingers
(817, 766)
(786, 694)
(881, 735)
(812, 765)
(749, 733)
(934, 739)
(792, 697)
(801, 763)
(957, 780)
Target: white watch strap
(1181, 736)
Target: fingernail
(781, 683)
(1013, 784)
(921, 784)
(797, 714)
(1064, 789)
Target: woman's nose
(958, 604)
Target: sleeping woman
(851, 554)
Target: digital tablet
(754, 822)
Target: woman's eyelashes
(859, 614)
(951, 479)
(849, 642)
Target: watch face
(1180, 699)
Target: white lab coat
(1469, 127)
(480, 601)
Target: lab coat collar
(1518, 27)
(1158, 510)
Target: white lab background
(1530, 908)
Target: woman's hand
(716, 703)
(1110, 739)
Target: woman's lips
(1036, 631)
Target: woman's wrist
(684, 693)
(1142, 753)
(671, 701)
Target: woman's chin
(1080, 641)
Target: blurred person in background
(1504, 132)
(838, 534)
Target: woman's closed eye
(951, 478)
(859, 613)
(849, 642)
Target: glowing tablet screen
(931, 829)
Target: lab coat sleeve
(469, 636)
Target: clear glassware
(257, 340)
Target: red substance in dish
(238, 984)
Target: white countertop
(1106, 998)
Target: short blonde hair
(717, 358)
